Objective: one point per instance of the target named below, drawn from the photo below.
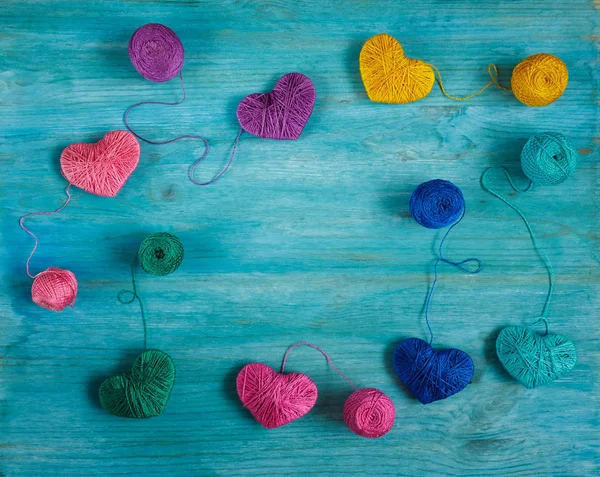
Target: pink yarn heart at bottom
(104, 167)
(282, 113)
(275, 399)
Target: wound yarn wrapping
(54, 289)
(539, 79)
(156, 52)
(160, 254)
(369, 413)
(436, 204)
(548, 158)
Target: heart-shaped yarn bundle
(391, 77)
(160, 254)
(282, 113)
(539, 80)
(156, 52)
(104, 167)
(429, 374)
(145, 391)
(369, 413)
(534, 359)
(548, 158)
(54, 289)
(436, 204)
(275, 399)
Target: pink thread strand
(323, 353)
(32, 234)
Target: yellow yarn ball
(539, 80)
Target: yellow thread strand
(492, 71)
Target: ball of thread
(369, 413)
(436, 204)
(160, 254)
(539, 80)
(548, 158)
(54, 289)
(156, 52)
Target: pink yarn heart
(104, 167)
(282, 113)
(275, 399)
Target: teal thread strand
(538, 249)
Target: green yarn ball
(160, 254)
(548, 158)
(143, 392)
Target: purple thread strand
(185, 136)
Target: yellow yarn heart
(391, 77)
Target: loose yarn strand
(185, 136)
(323, 353)
(218, 176)
(21, 220)
(492, 71)
(135, 296)
(541, 253)
(459, 265)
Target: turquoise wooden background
(307, 240)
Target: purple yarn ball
(156, 52)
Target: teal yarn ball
(548, 158)
(160, 254)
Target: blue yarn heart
(429, 374)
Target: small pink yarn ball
(369, 413)
(54, 289)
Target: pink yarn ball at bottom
(54, 289)
(369, 413)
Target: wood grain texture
(307, 240)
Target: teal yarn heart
(143, 392)
(535, 359)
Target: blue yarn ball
(548, 158)
(436, 204)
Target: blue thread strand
(458, 265)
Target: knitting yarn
(281, 113)
(276, 399)
(143, 392)
(156, 52)
(548, 158)
(104, 167)
(391, 77)
(429, 374)
(534, 359)
(436, 204)
(539, 80)
(369, 413)
(54, 289)
(160, 254)
(530, 358)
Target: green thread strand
(538, 249)
(134, 296)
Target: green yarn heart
(534, 359)
(143, 392)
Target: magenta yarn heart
(104, 167)
(275, 399)
(282, 113)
